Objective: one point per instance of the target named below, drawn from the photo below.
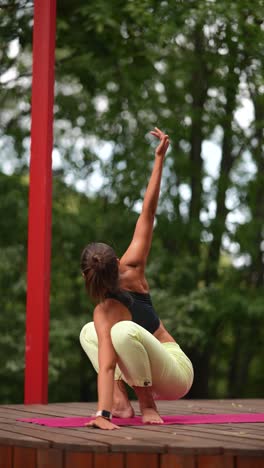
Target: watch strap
(105, 414)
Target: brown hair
(99, 266)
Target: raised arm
(137, 253)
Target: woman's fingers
(167, 142)
(154, 133)
(159, 134)
(164, 141)
(163, 146)
(102, 424)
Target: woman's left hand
(102, 423)
(164, 141)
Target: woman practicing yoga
(127, 342)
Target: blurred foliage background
(195, 69)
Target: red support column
(40, 196)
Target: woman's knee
(122, 331)
(87, 333)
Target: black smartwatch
(105, 414)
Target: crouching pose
(127, 342)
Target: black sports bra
(140, 307)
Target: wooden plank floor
(24, 445)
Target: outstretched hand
(102, 423)
(164, 142)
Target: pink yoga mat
(136, 421)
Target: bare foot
(151, 416)
(147, 405)
(127, 412)
(121, 407)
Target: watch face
(105, 414)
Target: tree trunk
(257, 204)
(218, 224)
(245, 346)
(199, 86)
(200, 361)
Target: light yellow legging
(143, 360)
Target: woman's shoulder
(99, 310)
(113, 303)
(132, 278)
(106, 314)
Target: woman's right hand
(164, 142)
(102, 423)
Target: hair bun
(96, 258)
(97, 262)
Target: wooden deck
(23, 445)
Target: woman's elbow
(108, 368)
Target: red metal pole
(40, 196)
